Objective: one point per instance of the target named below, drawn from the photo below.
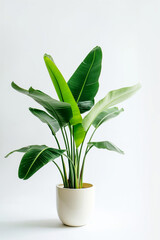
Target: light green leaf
(61, 111)
(35, 158)
(105, 145)
(84, 81)
(62, 89)
(45, 118)
(106, 115)
(112, 98)
(78, 133)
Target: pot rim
(87, 186)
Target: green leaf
(45, 118)
(106, 115)
(35, 158)
(105, 145)
(78, 133)
(62, 89)
(112, 98)
(61, 111)
(84, 81)
(85, 106)
(24, 149)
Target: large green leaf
(84, 81)
(61, 111)
(112, 98)
(106, 115)
(85, 106)
(62, 89)
(105, 145)
(35, 158)
(24, 149)
(44, 117)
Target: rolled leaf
(62, 89)
(24, 149)
(78, 133)
(105, 145)
(112, 98)
(84, 81)
(45, 118)
(106, 115)
(85, 106)
(35, 158)
(61, 111)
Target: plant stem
(71, 173)
(60, 172)
(63, 164)
(84, 158)
(74, 171)
(67, 141)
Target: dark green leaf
(24, 149)
(85, 106)
(106, 115)
(61, 111)
(84, 81)
(35, 158)
(44, 117)
(105, 145)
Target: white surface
(128, 187)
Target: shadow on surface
(40, 223)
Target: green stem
(74, 170)
(84, 158)
(63, 164)
(71, 170)
(67, 141)
(60, 172)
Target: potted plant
(75, 199)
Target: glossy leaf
(24, 149)
(105, 145)
(85, 106)
(62, 89)
(112, 98)
(45, 118)
(35, 158)
(106, 115)
(61, 111)
(84, 81)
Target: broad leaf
(24, 149)
(112, 98)
(106, 115)
(35, 158)
(105, 145)
(62, 89)
(84, 81)
(44, 117)
(61, 111)
(85, 106)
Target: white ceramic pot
(75, 206)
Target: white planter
(75, 206)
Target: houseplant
(75, 98)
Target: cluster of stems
(74, 155)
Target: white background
(127, 187)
